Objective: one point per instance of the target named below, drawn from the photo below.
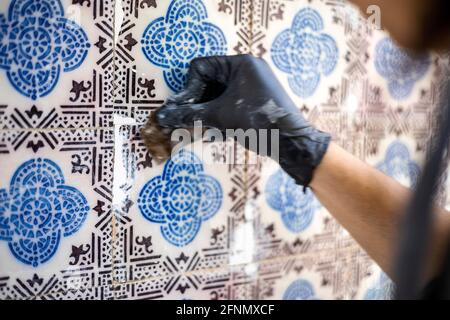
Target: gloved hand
(232, 92)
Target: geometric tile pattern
(145, 230)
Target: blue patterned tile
(56, 67)
(330, 275)
(181, 198)
(38, 210)
(304, 44)
(37, 44)
(299, 290)
(183, 34)
(305, 53)
(297, 207)
(354, 103)
(180, 216)
(382, 289)
(159, 39)
(400, 68)
(55, 213)
(399, 165)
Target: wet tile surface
(66, 80)
(150, 240)
(214, 222)
(56, 212)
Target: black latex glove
(232, 92)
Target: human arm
(370, 206)
(242, 92)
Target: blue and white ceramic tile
(88, 214)
(399, 158)
(291, 219)
(55, 212)
(156, 43)
(158, 39)
(303, 44)
(56, 64)
(293, 278)
(377, 287)
(178, 216)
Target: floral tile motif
(38, 210)
(382, 289)
(299, 290)
(171, 42)
(158, 39)
(56, 64)
(305, 53)
(181, 198)
(38, 42)
(180, 216)
(55, 213)
(296, 207)
(400, 68)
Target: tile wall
(85, 212)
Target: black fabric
(415, 231)
(430, 292)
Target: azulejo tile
(303, 44)
(305, 53)
(55, 212)
(329, 274)
(56, 60)
(183, 215)
(213, 285)
(400, 69)
(157, 40)
(184, 33)
(340, 274)
(378, 287)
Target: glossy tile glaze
(56, 71)
(197, 226)
(180, 216)
(55, 212)
(157, 39)
(155, 44)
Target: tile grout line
(113, 96)
(228, 266)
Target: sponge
(156, 139)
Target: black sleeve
(432, 289)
